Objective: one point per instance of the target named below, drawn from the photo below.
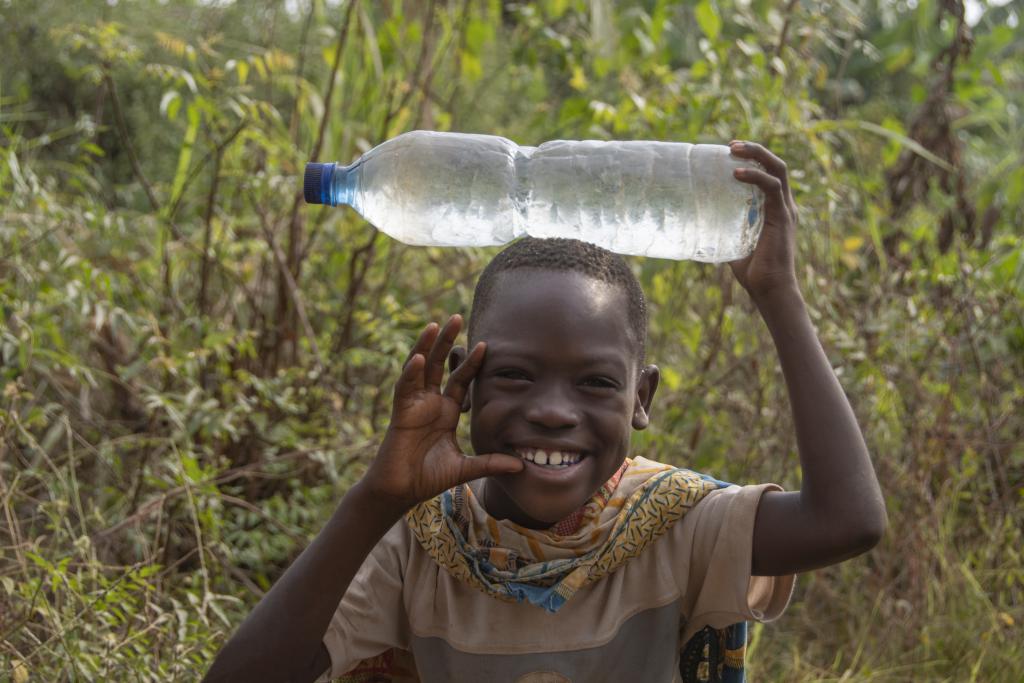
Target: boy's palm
(422, 436)
(420, 457)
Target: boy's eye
(601, 382)
(511, 374)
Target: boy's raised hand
(771, 265)
(419, 457)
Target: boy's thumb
(490, 464)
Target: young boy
(548, 555)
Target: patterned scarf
(547, 567)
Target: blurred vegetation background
(194, 365)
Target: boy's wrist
(373, 503)
(785, 295)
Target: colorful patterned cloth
(547, 567)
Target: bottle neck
(342, 184)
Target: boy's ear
(646, 385)
(455, 358)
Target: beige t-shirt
(626, 626)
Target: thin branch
(339, 49)
(292, 263)
(194, 173)
(356, 275)
(224, 477)
(414, 83)
(313, 233)
(23, 246)
(122, 129)
(211, 198)
(725, 285)
(461, 31)
(784, 33)
(293, 289)
(293, 124)
(242, 503)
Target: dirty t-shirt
(629, 625)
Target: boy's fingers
(411, 379)
(423, 343)
(772, 163)
(458, 381)
(439, 352)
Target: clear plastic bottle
(664, 199)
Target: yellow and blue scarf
(547, 567)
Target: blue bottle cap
(314, 184)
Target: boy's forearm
(282, 636)
(840, 499)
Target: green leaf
(556, 8)
(579, 78)
(1008, 268)
(909, 143)
(708, 20)
(185, 154)
(478, 34)
(1015, 187)
(372, 44)
(671, 377)
(52, 436)
(93, 149)
(899, 59)
(470, 66)
(170, 103)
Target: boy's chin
(545, 514)
(520, 500)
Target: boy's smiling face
(561, 376)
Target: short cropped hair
(560, 254)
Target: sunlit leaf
(194, 117)
(578, 81)
(170, 103)
(472, 70)
(708, 19)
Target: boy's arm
(281, 640)
(839, 511)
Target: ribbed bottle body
(662, 199)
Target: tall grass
(194, 367)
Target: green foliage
(195, 365)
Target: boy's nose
(552, 409)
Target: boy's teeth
(556, 459)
